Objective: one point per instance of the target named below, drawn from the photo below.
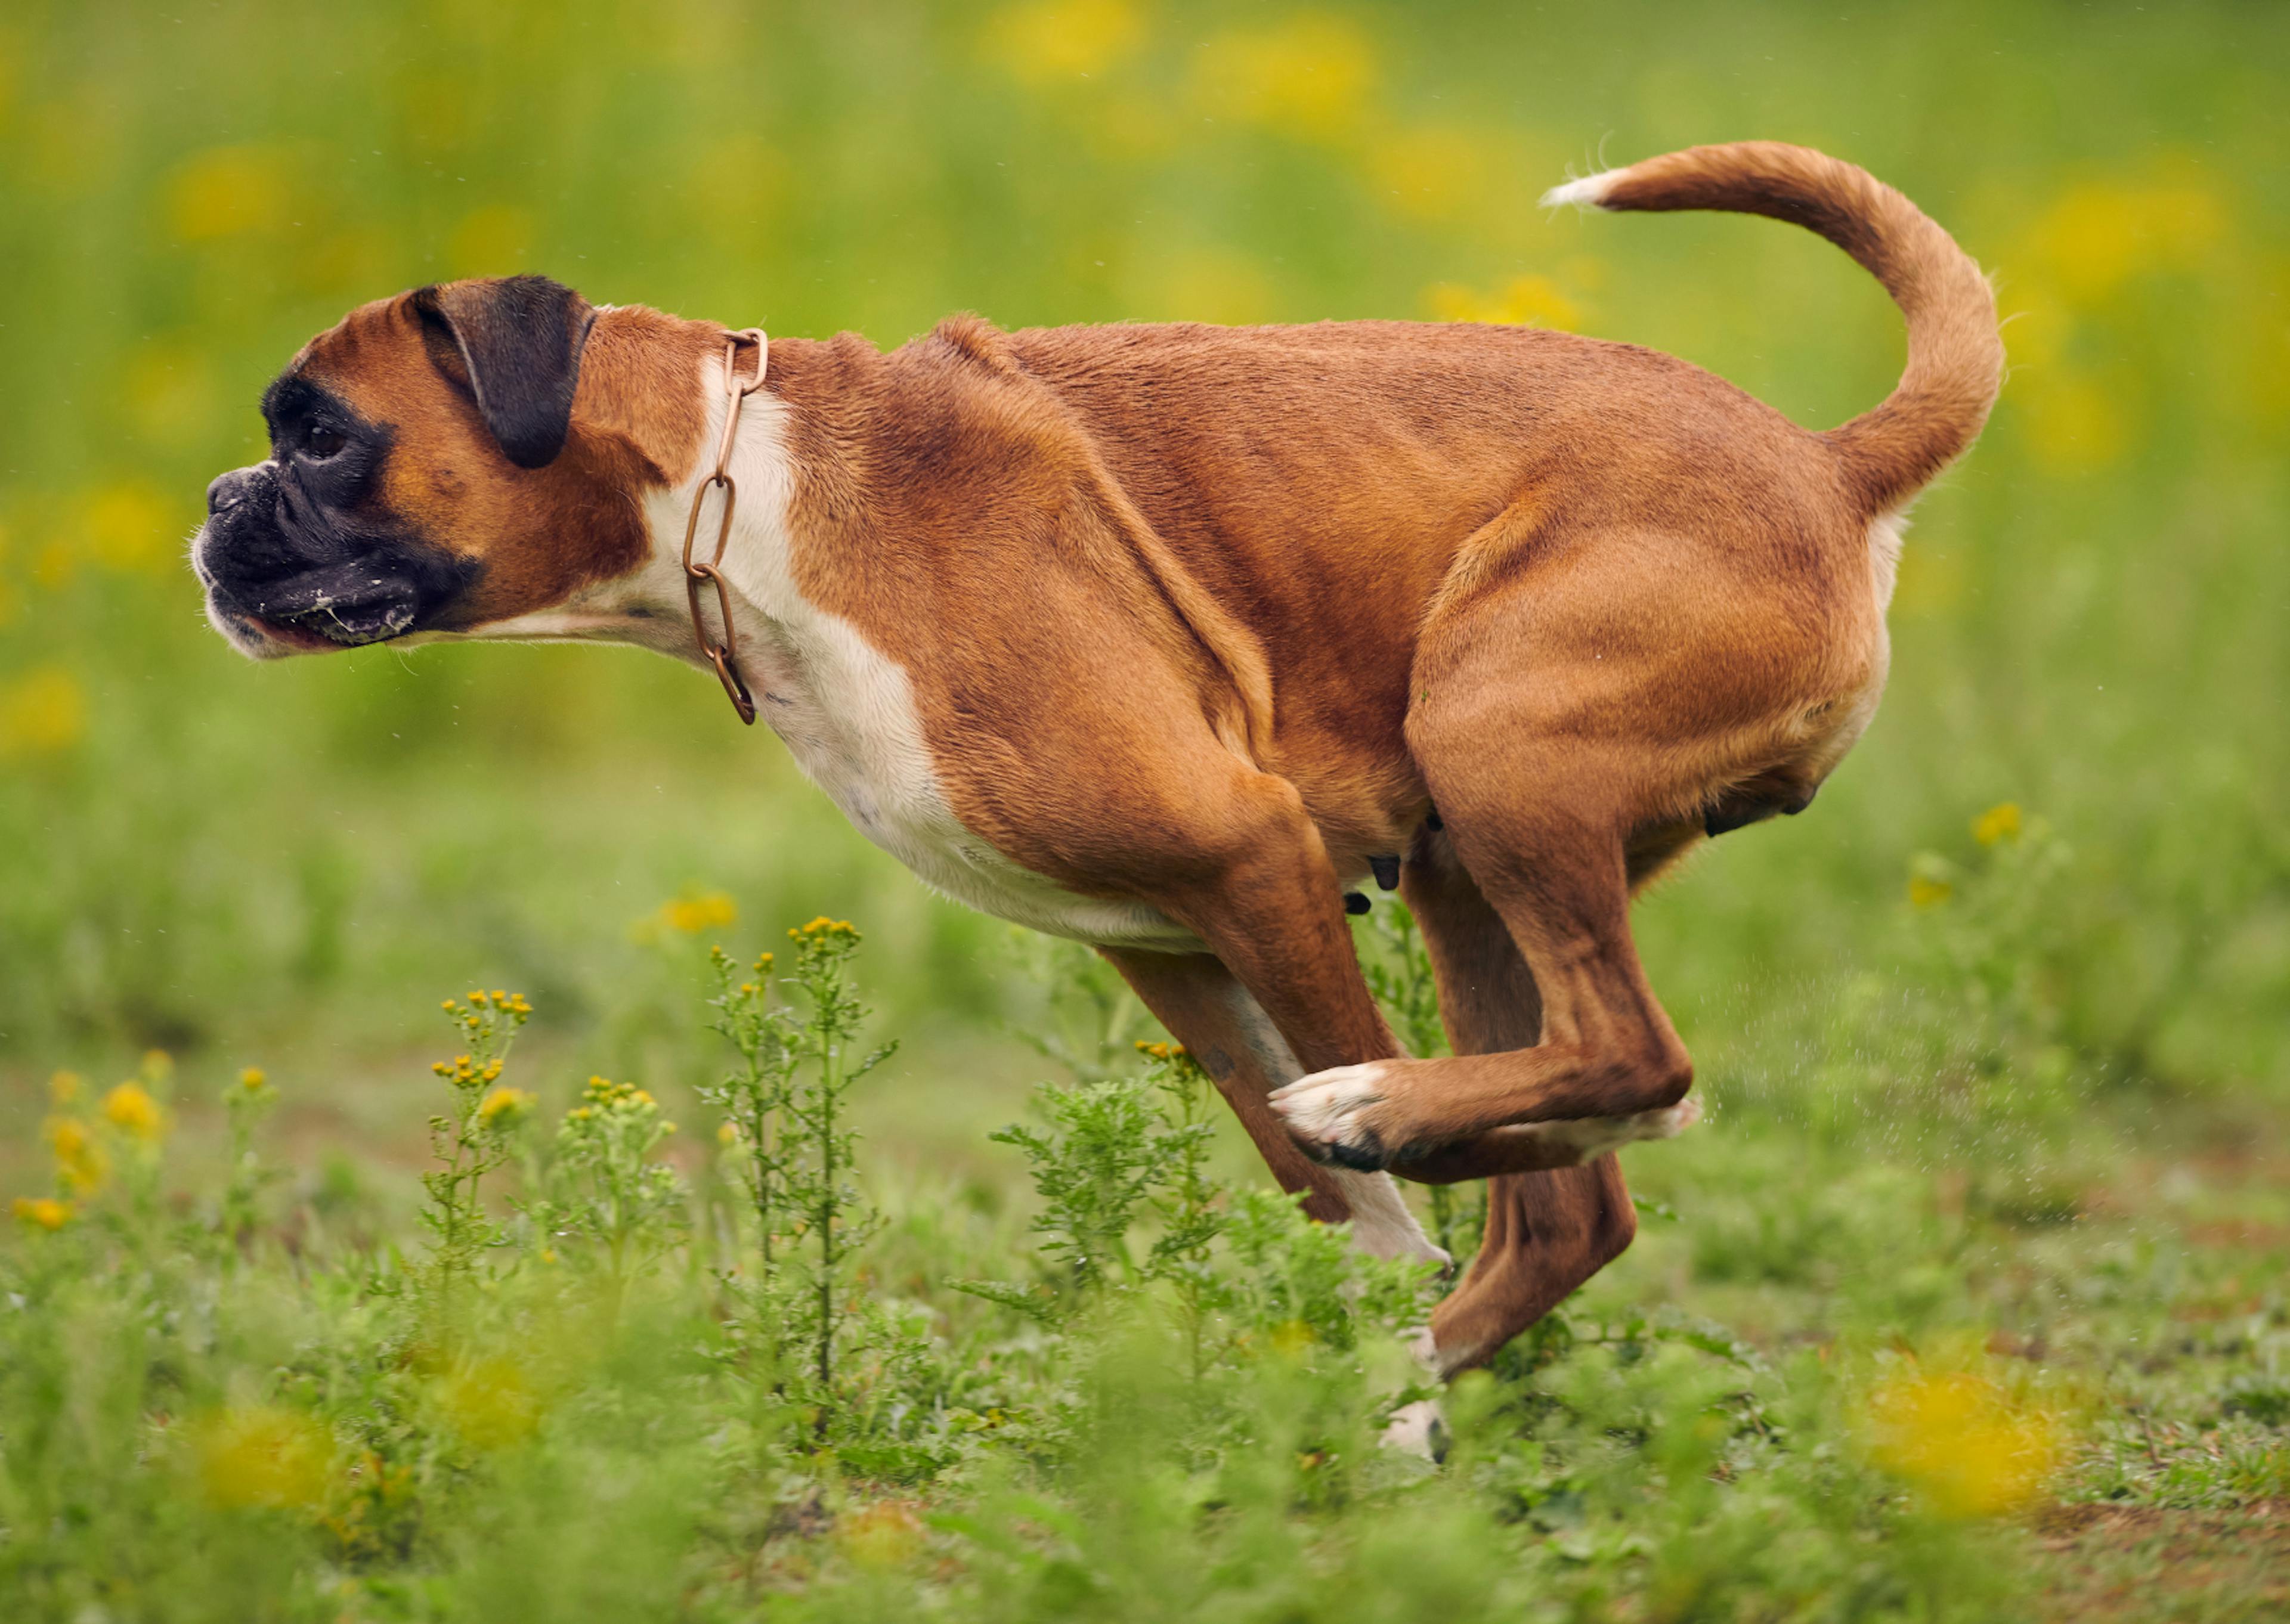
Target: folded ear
(514, 344)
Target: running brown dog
(1155, 635)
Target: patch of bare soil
(2154, 1563)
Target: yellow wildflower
(128, 526)
(727, 1134)
(1963, 1442)
(504, 1108)
(252, 1079)
(1311, 75)
(1053, 40)
(226, 190)
(41, 713)
(490, 1403)
(1997, 823)
(1926, 891)
(130, 1109)
(79, 1159)
(1291, 1337)
(260, 1456)
(1527, 302)
(43, 1211)
(692, 914)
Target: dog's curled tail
(1955, 356)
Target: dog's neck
(757, 561)
(648, 607)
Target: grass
(1963, 1360)
(1965, 1303)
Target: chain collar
(724, 654)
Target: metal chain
(724, 654)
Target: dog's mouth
(338, 606)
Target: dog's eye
(320, 442)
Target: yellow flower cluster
(43, 1211)
(1311, 75)
(463, 1072)
(1162, 1052)
(821, 929)
(130, 1112)
(80, 1161)
(1962, 1441)
(492, 1402)
(603, 1095)
(605, 1091)
(1998, 823)
(130, 1108)
(688, 915)
(507, 1006)
(1526, 301)
(505, 1107)
(41, 713)
(253, 1079)
(260, 1456)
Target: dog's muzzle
(277, 585)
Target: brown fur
(1206, 617)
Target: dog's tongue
(348, 604)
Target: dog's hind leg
(1547, 1232)
(1590, 695)
(1207, 1009)
(1609, 1066)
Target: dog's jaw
(248, 636)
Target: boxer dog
(1161, 637)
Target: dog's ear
(513, 344)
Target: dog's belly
(864, 746)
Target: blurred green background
(290, 864)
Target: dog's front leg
(1207, 1009)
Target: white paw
(1592, 1137)
(1417, 1430)
(1327, 1112)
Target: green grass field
(1967, 1300)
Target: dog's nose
(228, 491)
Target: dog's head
(450, 459)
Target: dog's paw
(1331, 1113)
(1592, 1137)
(1417, 1430)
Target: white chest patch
(847, 713)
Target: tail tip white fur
(1588, 193)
